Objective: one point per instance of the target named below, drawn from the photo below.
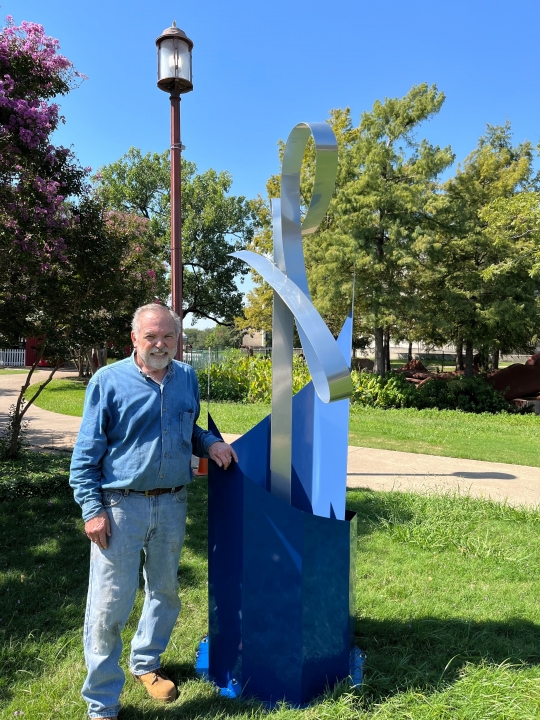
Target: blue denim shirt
(136, 433)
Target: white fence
(12, 358)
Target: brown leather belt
(155, 491)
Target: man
(129, 471)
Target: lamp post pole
(176, 216)
(175, 77)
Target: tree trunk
(459, 356)
(79, 362)
(387, 365)
(469, 358)
(90, 360)
(409, 352)
(17, 411)
(15, 431)
(379, 351)
(495, 358)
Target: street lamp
(174, 76)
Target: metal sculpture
(281, 544)
(287, 276)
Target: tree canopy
(438, 261)
(72, 271)
(214, 224)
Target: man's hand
(98, 529)
(222, 454)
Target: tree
(121, 248)
(214, 224)
(382, 211)
(386, 181)
(35, 177)
(224, 337)
(478, 278)
(69, 270)
(197, 338)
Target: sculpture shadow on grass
(425, 655)
(42, 540)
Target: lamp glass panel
(174, 60)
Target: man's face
(155, 341)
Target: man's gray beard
(156, 363)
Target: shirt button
(165, 432)
(164, 454)
(162, 476)
(164, 409)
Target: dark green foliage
(472, 394)
(34, 475)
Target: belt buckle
(147, 493)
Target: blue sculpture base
(233, 689)
(281, 589)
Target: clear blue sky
(259, 68)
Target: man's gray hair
(154, 308)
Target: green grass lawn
(447, 609)
(12, 371)
(504, 438)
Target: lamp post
(174, 76)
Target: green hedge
(244, 379)
(472, 394)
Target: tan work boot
(158, 685)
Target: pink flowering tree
(70, 272)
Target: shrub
(390, 391)
(244, 379)
(240, 378)
(473, 394)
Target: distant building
(254, 338)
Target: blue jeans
(155, 524)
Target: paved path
(367, 467)
(47, 429)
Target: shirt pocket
(186, 426)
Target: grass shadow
(44, 560)
(43, 582)
(427, 654)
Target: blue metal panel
(330, 445)
(320, 447)
(325, 604)
(225, 568)
(279, 586)
(272, 597)
(253, 450)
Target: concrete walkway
(367, 467)
(47, 429)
